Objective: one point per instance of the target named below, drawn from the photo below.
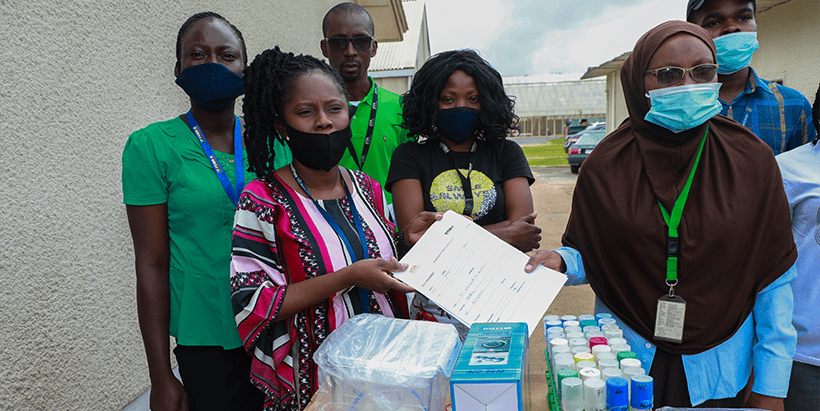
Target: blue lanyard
(364, 294)
(237, 155)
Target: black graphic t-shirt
(493, 163)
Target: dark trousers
(217, 379)
(804, 388)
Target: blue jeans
(804, 388)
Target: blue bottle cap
(617, 394)
(642, 392)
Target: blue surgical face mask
(683, 107)
(734, 51)
(212, 86)
(458, 124)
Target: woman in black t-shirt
(463, 161)
(458, 108)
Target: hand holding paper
(477, 277)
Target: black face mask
(211, 85)
(318, 151)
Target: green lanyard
(673, 241)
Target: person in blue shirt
(779, 115)
(801, 179)
(682, 205)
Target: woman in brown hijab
(732, 255)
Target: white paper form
(477, 277)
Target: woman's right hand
(168, 395)
(376, 274)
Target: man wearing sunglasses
(349, 44)
(779, 115)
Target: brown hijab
(735, 232)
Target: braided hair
(269, 83)
(420, 111)
(815, 115)
(183, 30)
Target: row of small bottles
(593, 365)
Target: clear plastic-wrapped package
(374, 363)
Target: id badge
(669, 319)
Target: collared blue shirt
(779, 115)
(766, 340)
(800, 169)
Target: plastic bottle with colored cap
(588, 372)
(561, 375)
(642, 393)
(625, 354)
(594, 395)
(587, 319)
(630, 362)
(608, 373)
(569, 318)
(598, 341)
(585, 364)
(617, 394)
(613, 333)
(572, 394)
(612, 342)
(562, 364)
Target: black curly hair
(815, 115)
(183, 30)
(420, 110)
(268, 85)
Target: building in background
(78, 78)
(788, 35)
(396, 63)
(615, 101)
(545, 108)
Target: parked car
(570, 139)
(579, 150)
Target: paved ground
(552, 196)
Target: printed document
(476, 276)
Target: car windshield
(591, 138)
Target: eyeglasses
(667, 76)
(340, 43)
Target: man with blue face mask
(779, 115)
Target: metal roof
(606, 68)
(584, 97)
(402, 55)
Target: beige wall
(76, 78)
(398, 85)
(789, 38)
(615, 101)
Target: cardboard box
(491, 371)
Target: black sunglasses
(340, 43)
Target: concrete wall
(76, 78)
(789, 44)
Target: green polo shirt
(165, 163)
(387, 134)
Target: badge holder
(669, 317)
